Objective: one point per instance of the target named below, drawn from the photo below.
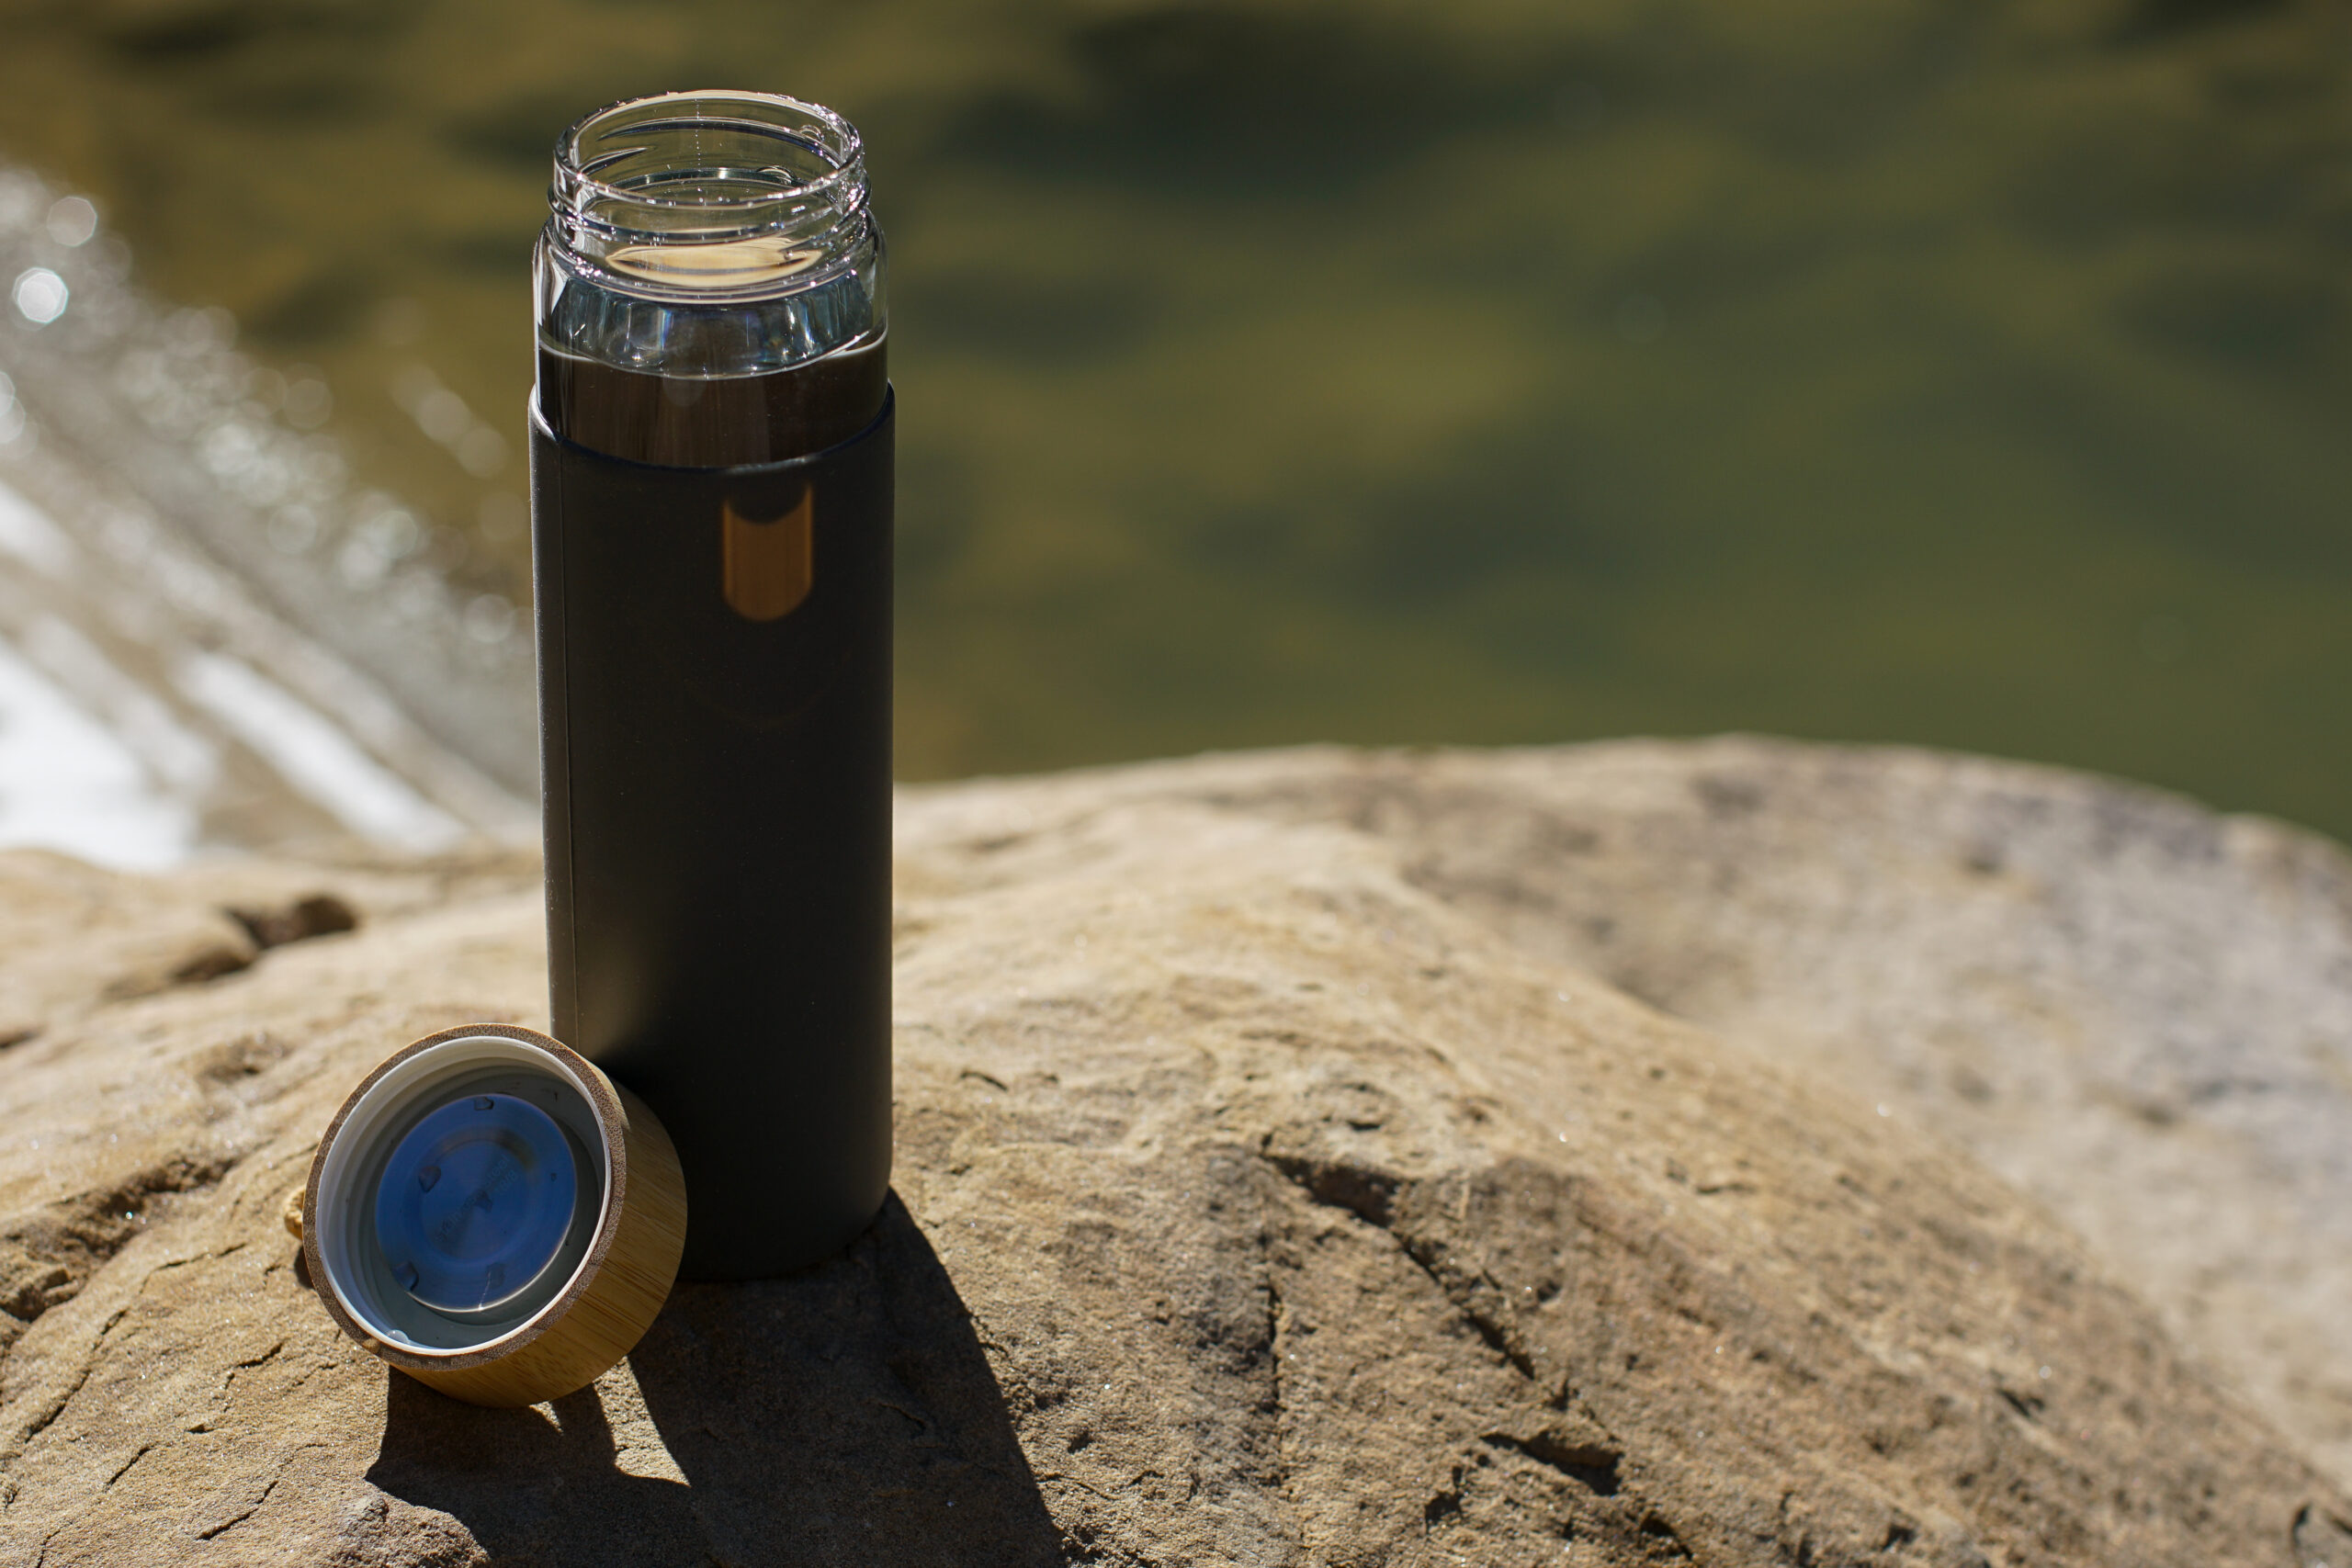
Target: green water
(1968, 374)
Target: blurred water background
(1975, 374)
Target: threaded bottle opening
(710, 234)
(708, 194)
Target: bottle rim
(634, 177)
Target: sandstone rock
(76, 936)
(2137, 1008)
(1257, 1201)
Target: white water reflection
(314, 754)
(69, 783)
(71, 220)
(213, 637)
(31, 537)
(229, 457)
(41, 295)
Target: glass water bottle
(711, 498)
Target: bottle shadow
(842, 1415)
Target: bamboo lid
(493, 1216)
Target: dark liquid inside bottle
(714, 421)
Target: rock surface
(2137, 1008)
(1277, 1183)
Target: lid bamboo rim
(613, 1293)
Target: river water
(1976, 375)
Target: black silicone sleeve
(715, 717)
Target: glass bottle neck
(710, 285)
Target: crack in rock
(47, 1257)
